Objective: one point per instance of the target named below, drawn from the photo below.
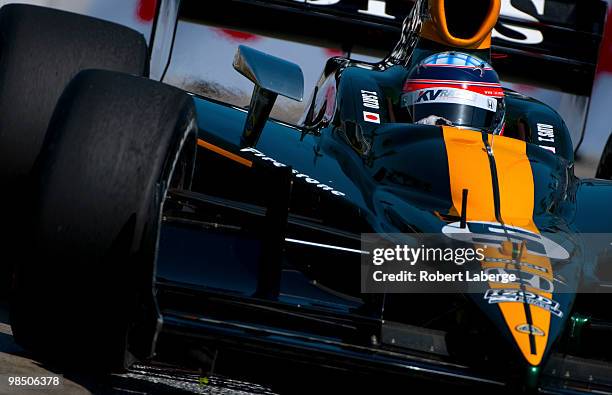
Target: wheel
(41, 50)
(84, 288)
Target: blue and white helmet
(461, 89)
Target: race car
(141, 214)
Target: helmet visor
(460, 107)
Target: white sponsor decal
(493, 234)
(371, 117)
(496, 296)
(546, 134)
(370, 100)
(521, 264)
(530, 330)
(377, 8)
(526, 35)
(296, 173)
(451, 96)
(319, 2)
(373, 7)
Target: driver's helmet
(455, 89)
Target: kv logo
(431, 95)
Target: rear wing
(533, 40)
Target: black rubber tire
(41, 50)
(84, 287)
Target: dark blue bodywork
(350, 177)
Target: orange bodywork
(225, 153)
(469, 168)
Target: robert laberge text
(425, 276)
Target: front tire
(41, 50)
(84, 290)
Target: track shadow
(122, 385)
(16, 360)
(8, 346)
(142, 379)
(7, 343)
(4, 312)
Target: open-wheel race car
(141, 214)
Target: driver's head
(457, 89)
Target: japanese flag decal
(371, 117)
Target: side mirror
(272, 76)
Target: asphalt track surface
(143, 379)
(234, 375)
